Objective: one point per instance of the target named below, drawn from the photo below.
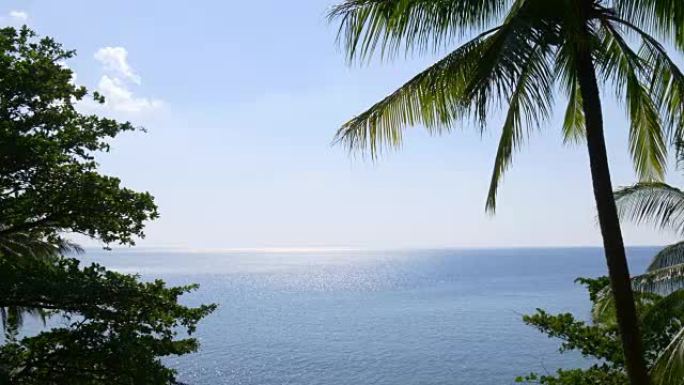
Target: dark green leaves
(115, 329)
(367, 26)
(661, 319)
(432, 99)
(498, 71)
(664, 18)
(48, 175)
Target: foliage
(108, 328)
(48, 174)
(115, 327)
(661, 319)
(661, 205)
(518, 56)
(522, 53)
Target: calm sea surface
(391, 317)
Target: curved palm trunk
(610, 225)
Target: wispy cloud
(14, 18)
(19, 16)
(115, 60)
(120, 98)
(116, 84)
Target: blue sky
(241, 100)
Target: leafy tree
(114, 328)
(49, 182)
(661, 319)
(522, 52)
(117, 327)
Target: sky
(241, 101)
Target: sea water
(341, 317)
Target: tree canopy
(49, 182)
(113, 328)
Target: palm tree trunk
(613, 245)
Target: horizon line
(314, 249)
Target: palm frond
(31, 245)
(666, 80)
(662, 17)
(389, 25)
(603, 311)
(666, 88)
(661, 281)
(574, 128)
(528, 30)
(657, 203)
(646, 136)
(12, 319)
(669, 366)
(667, 257)
(433, 99)
(529, 104)
(467, 83)
(664, 312)
(27, 245)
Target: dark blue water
(393, 317)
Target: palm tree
(521, 51)
(29, 247)
(663, 206)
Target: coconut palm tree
(663, 206)
(520, 53)
(29, 247)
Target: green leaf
(656, 203)
(662, 281)
(668, 257)
(389, 25)
(669, 367)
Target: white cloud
(115, 61)
(18, 16)
(14, 18)
(116, 85)
(119, 98)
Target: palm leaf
(665, 78)
(574, 128)
(629, 71)
(661, 281)
(667, 257)
(669, 366)
(433, 99)
(467, 83)
(603, 311)
(657, 203)
(388, 25)
(529, 103)
(661, 17)
(664, 311)
(29, 245)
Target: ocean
(404, 317)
